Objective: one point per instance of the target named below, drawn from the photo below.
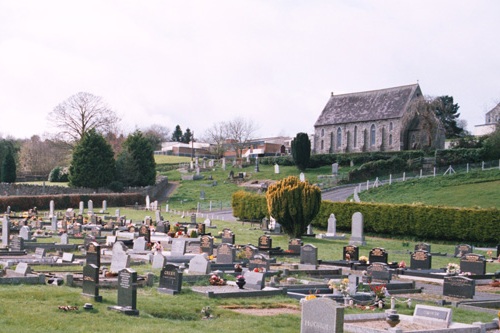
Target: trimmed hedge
(418, 221)
(63, 201)
(446, 157)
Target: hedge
(446, 157)
(417, 221)
(377, 168)
(64, 201)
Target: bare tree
(216, 136)
(82, 112)
(238, 132)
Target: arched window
(322, 145)
(339, 138)
(372, 135)
(390, 126)
(355, 141)
(390, 139)
(322, 132)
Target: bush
(248, 206)
(446, 157)
(58, 175)
(377, 168)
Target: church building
(391, 119)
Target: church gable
(368, 106)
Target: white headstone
(200, 264)
(104, 205)
(81, 207)
(166, 208)
(208, 223)
(276, 168)
(158, 261)
(335, 168)
(25, 233)
(64, 238)
(5, 230)
(119, 259)
(356, 196)
(302, 177)
(332, 226)
(357, 235)
(90, 207)
(51, 208)
(223, 163)
(148, 202)
(54, 222)
(322, 315)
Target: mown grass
(476, 189)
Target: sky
(275, 63)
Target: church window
(390, 139)
(339, 137)
(390, 126)
(372, 135)
(322, 132)
(322, 144)
(355, 142)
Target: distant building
(492, 120)
(195, 149)
(379, 120)
(272, 146)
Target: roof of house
(368, 105)
(494, 110)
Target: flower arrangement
(240, 277)
(402, 264)
(238, 268)
(216, 280)
(343, 286)
(380, 291)
(452, 268)
(206, 312)
(259, 269)
(363, 258)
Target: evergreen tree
(9, 168)
(136, 164)
(301, 150)
(293, 204)
(177, 135)
(447, 112)
(92, 163)
(188, 136)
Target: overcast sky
(196, 63)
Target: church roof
(372, 105)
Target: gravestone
(53, 222)
(423, 247)
(276, 168)
(158, 261)
(207, 244)
(161, 227)
(421, 259)
(225, 254)
(377, 254)
(302, 177)
(139, 244)
(264, 224)
(322, 315)
(335, 168)
(265, 243)
(90, 207)
(23, 269)
(145, 232)
(119, 258)
(88, 239)
(379, 271)
(254, 280)
(258, 261)
(178, 247)
(462, 249)
(208, 223)
(90, 282)
(5, 230)
(64, 239)
(309, 255)
(51, 208)
(25, 233)
(16, 244)
(201, 228)
(110, 240)
(39, 253)
(249, 251)
(68, 257)
(200, 264)
(439, 317)
(93, 254)
(157, 216)
(295, 245)
(193, 218)
(357, 235)
(309, 231)
(227, 236)
(473, 263)
(459, 286)
(127, 292)
(81, 207)
(170, 280)
(332, 226)
(351, 252)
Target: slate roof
(372, 105)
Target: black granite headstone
(473, 263)
(16, 243)
(462, 249)
(91, 282)
(207, 244)
(421, 259)
(249, 251)
(294, 245)
(377, 254)
(93, 255)
(379, 271)
(161, 227)
(459, 286)
(265, 243)
(127, 289)
(170, 280)
(423, 247)
(201, 228)
(258, 261)
(351, 252)
(145, 232)
(227, 236)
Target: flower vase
(393, 320)
(240, 283)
